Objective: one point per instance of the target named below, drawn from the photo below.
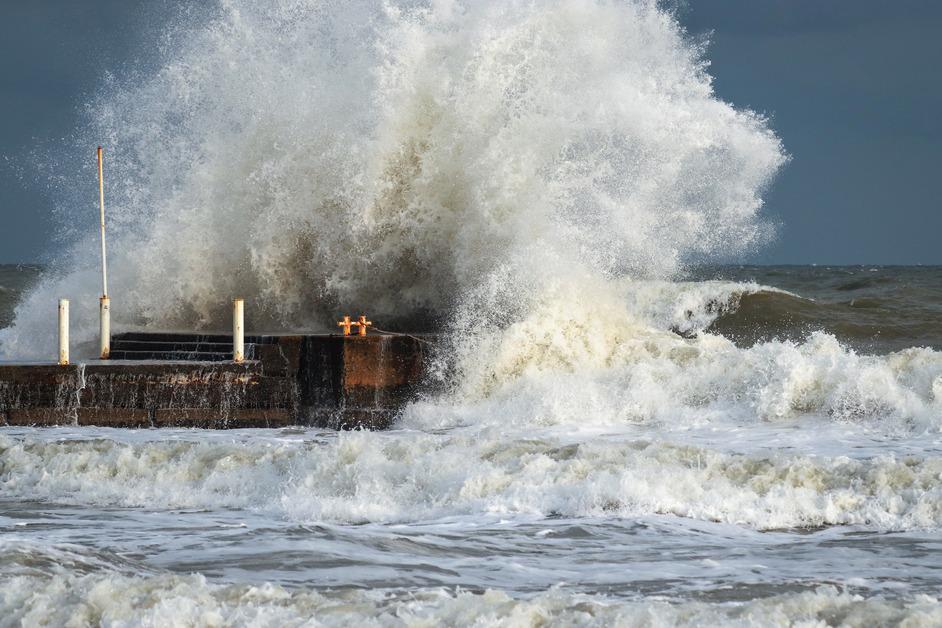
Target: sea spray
(399, 158)
(528, 177)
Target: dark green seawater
(873, 309)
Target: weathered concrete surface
(356, 381)
(128, 394)
(326, 380)
(114, 417)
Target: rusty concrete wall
(325, 380)
(355, 381)
(117, 394)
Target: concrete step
(177, 347)
(176, 356)
(181, 337)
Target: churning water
(619, 439)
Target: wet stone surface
(324, 380)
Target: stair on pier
(179, 347)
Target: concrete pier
(190, 380)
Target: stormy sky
(853, 88)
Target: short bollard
(63, 331)
(238, 330)
(104, 312)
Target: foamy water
(533, 178)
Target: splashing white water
(311, 156)
(531, 174)
(411, 477)
(115, 600)
(527, 173)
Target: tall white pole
(104, 303)
(101, 204)
(63, 331)
(238, 330)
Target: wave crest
(365, 477)
(61, 597)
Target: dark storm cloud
(851, 86)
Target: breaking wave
(528, 175)
(427, 162)
(34, 590)
(582, 354)
(869, 323)
(409, 477)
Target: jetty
(218, 381)
(174, 379)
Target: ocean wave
(407, 477)
(871, 323)
(580, 344)
(689, 307)
(60, 597)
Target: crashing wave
(408, 477)
(404, 158)
(58, 596)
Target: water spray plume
(405, 157)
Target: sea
(787, 472)
(625, 429)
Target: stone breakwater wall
(184, 380)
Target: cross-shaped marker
(346, 323)
(363, 324)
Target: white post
(63, 331)
(104, 308)
(101, 204)
(238, 330)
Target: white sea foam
(530, 174)
(109, 599)
(580, 355)
(407, 477)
